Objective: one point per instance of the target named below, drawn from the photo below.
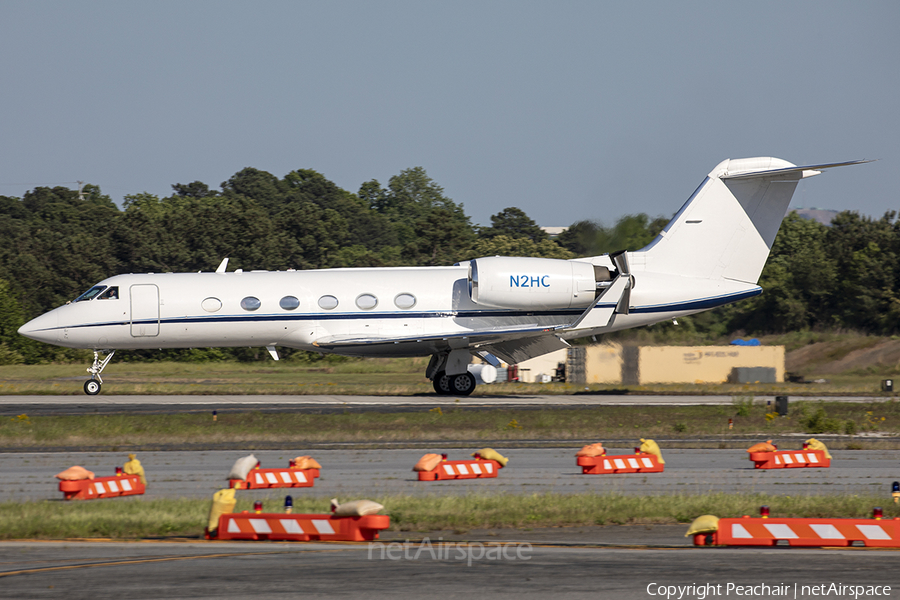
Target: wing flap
(516, 351)
(470, 338)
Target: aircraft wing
(509, 344)
(512, 345)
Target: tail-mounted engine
(534, 283)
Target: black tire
(463, 385)
(91, 387)
(441, 384)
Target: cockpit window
(91, 293)
(111, 293)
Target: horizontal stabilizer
(806, 171)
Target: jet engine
(534, 283)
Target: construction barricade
(747, 531)
(623, 463)
(790, 459)
(461, 469)
(275, 478)
(299, 528)
(102, 487)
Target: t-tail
(727, 227)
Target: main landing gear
(458, 385)
(92, 385)
(449, 375)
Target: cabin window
(91, 293)
(328, 302)
(111, 293)
(250, 303)
(405, 300)
(211, 304)
(366, 301)
(289, 303)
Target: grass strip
(369, 376)
(600, 423)
(130, 518)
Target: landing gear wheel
(441, 384)
(463, 385)
(91, 387)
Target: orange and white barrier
(275, 478)
(102, 487)
(749, 531)
(623, 463)
(789, 459)
(461, 469)
(299, 528)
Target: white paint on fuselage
(442, 306)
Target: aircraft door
(144, 310)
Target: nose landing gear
(92, 385)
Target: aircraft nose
(44, 328)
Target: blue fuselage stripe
(690, 305)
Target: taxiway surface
(355, 473)
(109, 403)
(277, 570)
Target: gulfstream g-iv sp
(500, 308)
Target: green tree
(631, 232)
(431, 229)
(512, 222)
(59, 245)
(865, 253)
(503, 245)
(798, 281)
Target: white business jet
(499, 308)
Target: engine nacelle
(532, 283)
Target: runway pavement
(83, 404)
(278, 570)
(619, 562)
(352, 474)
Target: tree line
(58, 243)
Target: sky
(567, 110)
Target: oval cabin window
(366, 301)
(250, 303)
(405, 300)
(328, 302)
(211, 304)
(289, 303)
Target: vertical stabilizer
(726, 228)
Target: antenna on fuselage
(222, 266)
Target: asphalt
(358, 473)
(621, 562)
(111, 403)
(380, 570)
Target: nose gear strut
(92, 385)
